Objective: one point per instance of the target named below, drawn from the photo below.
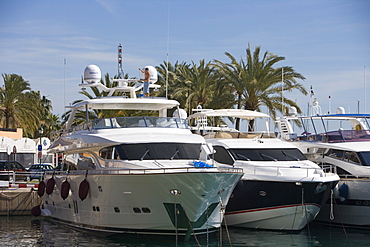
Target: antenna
(282, 91)
(120, 70)
(168, 41)
(364, 89)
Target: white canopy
(154, 104)
(238, 113)
(118, 102)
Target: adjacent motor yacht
(146, 174)
(343, 142)
(280, 189)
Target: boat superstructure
(343, 142)
(141, 174)
(280, 189)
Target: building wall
(12, 133)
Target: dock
(18, 198)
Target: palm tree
(167, 78)
(19, 105)
(192, 84)
(50, 124)
(257, 83)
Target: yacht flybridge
(280, 189)
(145, 174)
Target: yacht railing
(126, 122)
(338, 136)
(279, 171)
(149, 171)
(229, 135)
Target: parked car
(8, 167)
(37, 170)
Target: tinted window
(361, 158)
(148, 151)
(336, 153)
(365, 158)
(290, 154)
(222, 155)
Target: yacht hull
(353, 210)
(276, 205)
(177, 203)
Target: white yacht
(342, 141)
(280, 189)
(146, 174)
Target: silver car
(37, 170)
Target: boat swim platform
(18, 199)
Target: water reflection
(31, 231)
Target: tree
(257, 83)
(19, 106)
(190, 84)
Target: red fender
(83, 190)
(41, 189)
(36, 210)
(64, 190)
(50, 186)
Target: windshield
(365, 158)
(152, 151)
(290, 154)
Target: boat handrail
(279, 170)
(149, 171)
(338, 136)
(247, 135)
(126, 122)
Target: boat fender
(36, 210)
(64, 190)
(343, 192)
(41, 189)
(83, 190)
(50, 186)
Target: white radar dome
(293, 111)
(153, 74)
(180, 113)
(340, 110)
(92, 74)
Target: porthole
(137, 210)
(263, 193)
(146, 210)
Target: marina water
(32, 231)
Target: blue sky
(328, 41)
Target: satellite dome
(293, 111)
(340, 110)
(92, 74)
(153, 74)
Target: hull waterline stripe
(271, 208)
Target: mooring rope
(222, 209)
(10, 198)
(192, 229)
(331, 205)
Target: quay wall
(18, 201)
